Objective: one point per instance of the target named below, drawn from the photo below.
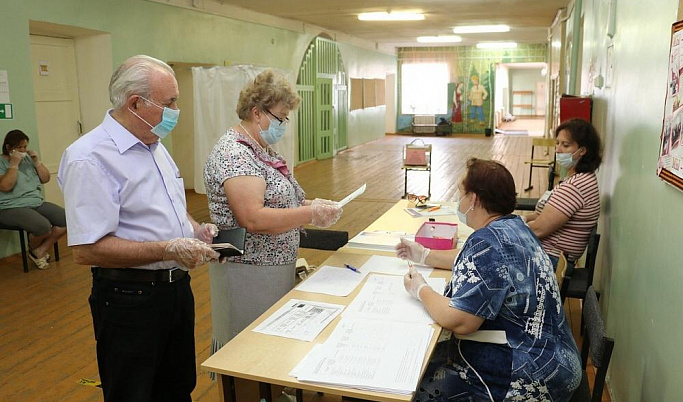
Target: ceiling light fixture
(439, 39)
(496, 45)
(481, 29)
(392, 16)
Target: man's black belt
(139, 275)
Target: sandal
(41, 263)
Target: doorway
(70, 68)
(522, 95)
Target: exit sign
(6, 111)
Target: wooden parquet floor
(45, 324)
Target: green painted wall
(640, 253)
(171, 34)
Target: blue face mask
(168, 121)
(462, 216)
(566, 159)
(274, 133)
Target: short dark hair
(586, 136)
(13, 138)
(492, 183)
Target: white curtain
(216, 91)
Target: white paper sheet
(393, 266)
(381, 356)
(423, 212)
(299, 319)
(353, 195)
(384, 298)
(378, 240)
(333, 281)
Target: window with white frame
(424, 88)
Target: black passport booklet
(230, 242)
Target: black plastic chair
(322, 239)
(24, 249)
(582, 278)
(529, 204)
(597, 345)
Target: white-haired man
(125, 200)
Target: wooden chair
(548, 163)
(598, 345)
(24, 248)
(424, 163)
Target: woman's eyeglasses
(281, 121)
(417, 199)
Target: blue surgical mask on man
(274, 133)
(169, 119)
(566, 159)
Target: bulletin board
(356, 93)
(379, 91)
(369, 96)
(670, 163)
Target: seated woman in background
(503, 286)
(21, 200)
(249, 185)
(565, 216)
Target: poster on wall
(670, 162)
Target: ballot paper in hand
(353, 195)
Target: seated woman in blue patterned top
(511, 340)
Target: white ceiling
(529, 20)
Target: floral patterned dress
(237, 155)
(503, 275)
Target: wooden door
(55, 84)
(325, 118)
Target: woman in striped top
(565, 216)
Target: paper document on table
(332, 281)
(378, 240)
(392, 266)
(381, 356)
(299, 319)
(429, 212)
(383, 297)
(353, 195)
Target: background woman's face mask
(566, 159)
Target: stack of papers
(379, 356)
(332, 281)
(393, 266)
(384, 298)
(378, 240)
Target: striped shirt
(578, 197)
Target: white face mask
(462, 216)
(566, 159)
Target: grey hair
(132, 78)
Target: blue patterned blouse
(503, 275)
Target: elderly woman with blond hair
(249, 185)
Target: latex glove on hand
(325, 212)
(188, 252)
(206, 232)
(413, 251)
(413, 281)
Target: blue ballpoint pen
(352, 268)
